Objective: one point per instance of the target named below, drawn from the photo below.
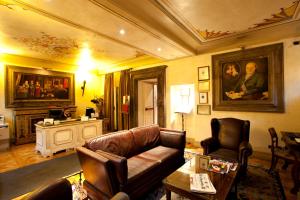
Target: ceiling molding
(73, 24)
(174, 14)
(297, 12)
(115, 9)
(170, 11)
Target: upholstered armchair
(229, 141)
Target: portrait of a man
(245, 80)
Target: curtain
(124, 88)
(109, 100)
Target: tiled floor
(23, 155)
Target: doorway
(155, 80)
(147, 102)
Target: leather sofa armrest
(98, 171)
(119, 163)
(120, 196)
(173, 138)
(60, 189)
(209, 145)
(245, 150)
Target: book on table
(201, 183)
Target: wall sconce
(83, 87)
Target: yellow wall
(184, 71)
(94, 83)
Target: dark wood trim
(156, 72)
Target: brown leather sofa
(229, 141)
(133, 161)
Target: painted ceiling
(154, 30)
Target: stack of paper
(201, 183)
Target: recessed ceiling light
(158, 49)
(122, 32)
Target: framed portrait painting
(26, 87)
(249, 80)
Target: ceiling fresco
(121, 32)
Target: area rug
(260, 185)
(257, 185)
(21, 181)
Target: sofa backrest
(145, 137)
(120, 143)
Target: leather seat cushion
(160, 154)
(225, 154)
(138, 166)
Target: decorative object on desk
(203, 86)
(48, 121)
(203, 109)
(99, 102)
(83, 87)
(203, 98)
(89, 111)
(27, 87)
(203, 73)
(84, 118)
(249, 80)
(202, 161)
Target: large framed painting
(249, 80)
(27, 87)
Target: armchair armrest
(97, 171)
(209, 145)
(245, 150)
(173, 138)
(120, 196)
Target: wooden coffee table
(179, 182)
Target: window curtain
(109, 100)
(124, 89)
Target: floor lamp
(182, 118)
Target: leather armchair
(229, 141)
(59, 189)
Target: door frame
(158, 73)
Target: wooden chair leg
(273, 164)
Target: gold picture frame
(203, 73)
(202, 161)
(203, 109)
(27, 87)
(203, 86)
(203, 97)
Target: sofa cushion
(225, 154)
(113, 143)
(145, 138)
(138, 166)
(160, 153)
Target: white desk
(54, 138)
